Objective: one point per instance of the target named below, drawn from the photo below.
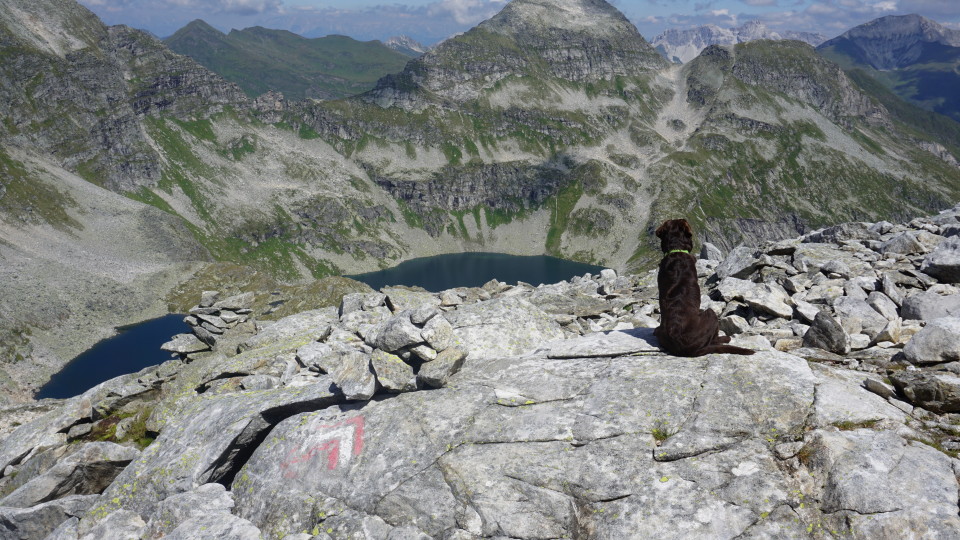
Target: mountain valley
(553, 127)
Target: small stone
(731, 325)
(878, 388)
(788, 344)
(935, 391)
(215, 321)
(450, 298)
(904, 243)
(438, 333)
(350, 303)
(944, 262)
(927, 306)
(883, 305)
(354, 376)
(827, 334)
(608, 274)
(740, 263)
(230, 317)
(393, 374)
(424, 352)
(437, 373)
(854, 291)
(852, 312)
(859, 341)
(78, 431)
(211, 328)
(208, 298)
(185, 344)
(890, 333)
(236, 302)
(710, 252)
(205, 335)
(372, 301)
(398, 332)
(836, 267)
(424, 313)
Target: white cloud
(760, 3)
(466, 11)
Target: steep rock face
(572, 40)
(791, 68)
(68, 66)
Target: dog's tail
(724, 349)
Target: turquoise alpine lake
(134, 348)
(444, 272)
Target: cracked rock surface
(532, 412)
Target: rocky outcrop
(598, 43)
(682, 45)
(69, 65)
(533, 412)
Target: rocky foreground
(533, 412)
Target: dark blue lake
(133, 349)
(474, 269)
(138, 346)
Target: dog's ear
(662, 229)
(686, 227)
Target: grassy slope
(259, 60)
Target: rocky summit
(521, 411)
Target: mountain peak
(571, 40)
(596, 17)
(911, 26)
(894, 41)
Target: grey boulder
(926, 306)
(87, 470)
(36, 522)
(827, 334)
(938, 342)
(943, 262)
(936, 391)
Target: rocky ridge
(553, 414)
(682, 45)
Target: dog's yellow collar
(678, 251)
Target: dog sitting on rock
(685, 329)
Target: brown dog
(685, 329)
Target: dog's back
(685, 329)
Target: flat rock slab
(501, 327)
(602, 344)
(199, 446)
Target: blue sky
(432, 20)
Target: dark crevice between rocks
(241, 449)
(664, 458)
(225, 375)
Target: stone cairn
(208, 321)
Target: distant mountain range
(258, 59)
(913, 57)
(681, 46)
